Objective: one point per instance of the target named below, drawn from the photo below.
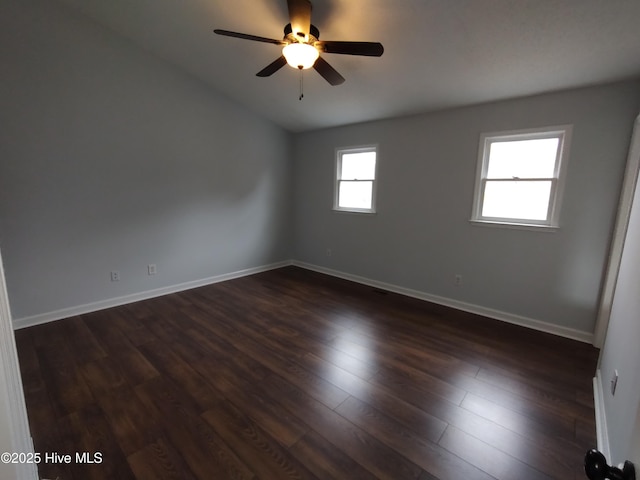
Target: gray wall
(111, 159)
(621, 350)
(421, 235)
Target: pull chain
(301, 85)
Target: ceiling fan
(302, 46)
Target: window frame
(337, 180)
(552, 222)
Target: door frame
(619, 233)
(11, 383)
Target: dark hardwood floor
(293, 374)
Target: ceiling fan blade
(367, 49)
(300, 17)
(273, 67)
(328, 72)
(246, 36)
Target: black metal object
(596, 468)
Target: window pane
(517, 199)
(523, 158)
(358, 166)
(355, 194)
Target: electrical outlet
(457, 280)
(151, 269)
(115, 276)
(614, 382)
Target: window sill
(515, 226)
(351, 210)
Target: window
(520, 177)
(355, 180)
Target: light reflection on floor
(491, 401)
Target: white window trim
(336, 176)
(563, 132)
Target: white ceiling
(438, 53)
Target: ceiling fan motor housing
(314, 34)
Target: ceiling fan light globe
(300, 55)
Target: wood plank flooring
(290, 374)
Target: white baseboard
(539, 325)
(586, 337)
(602, 434)
(136, 297)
